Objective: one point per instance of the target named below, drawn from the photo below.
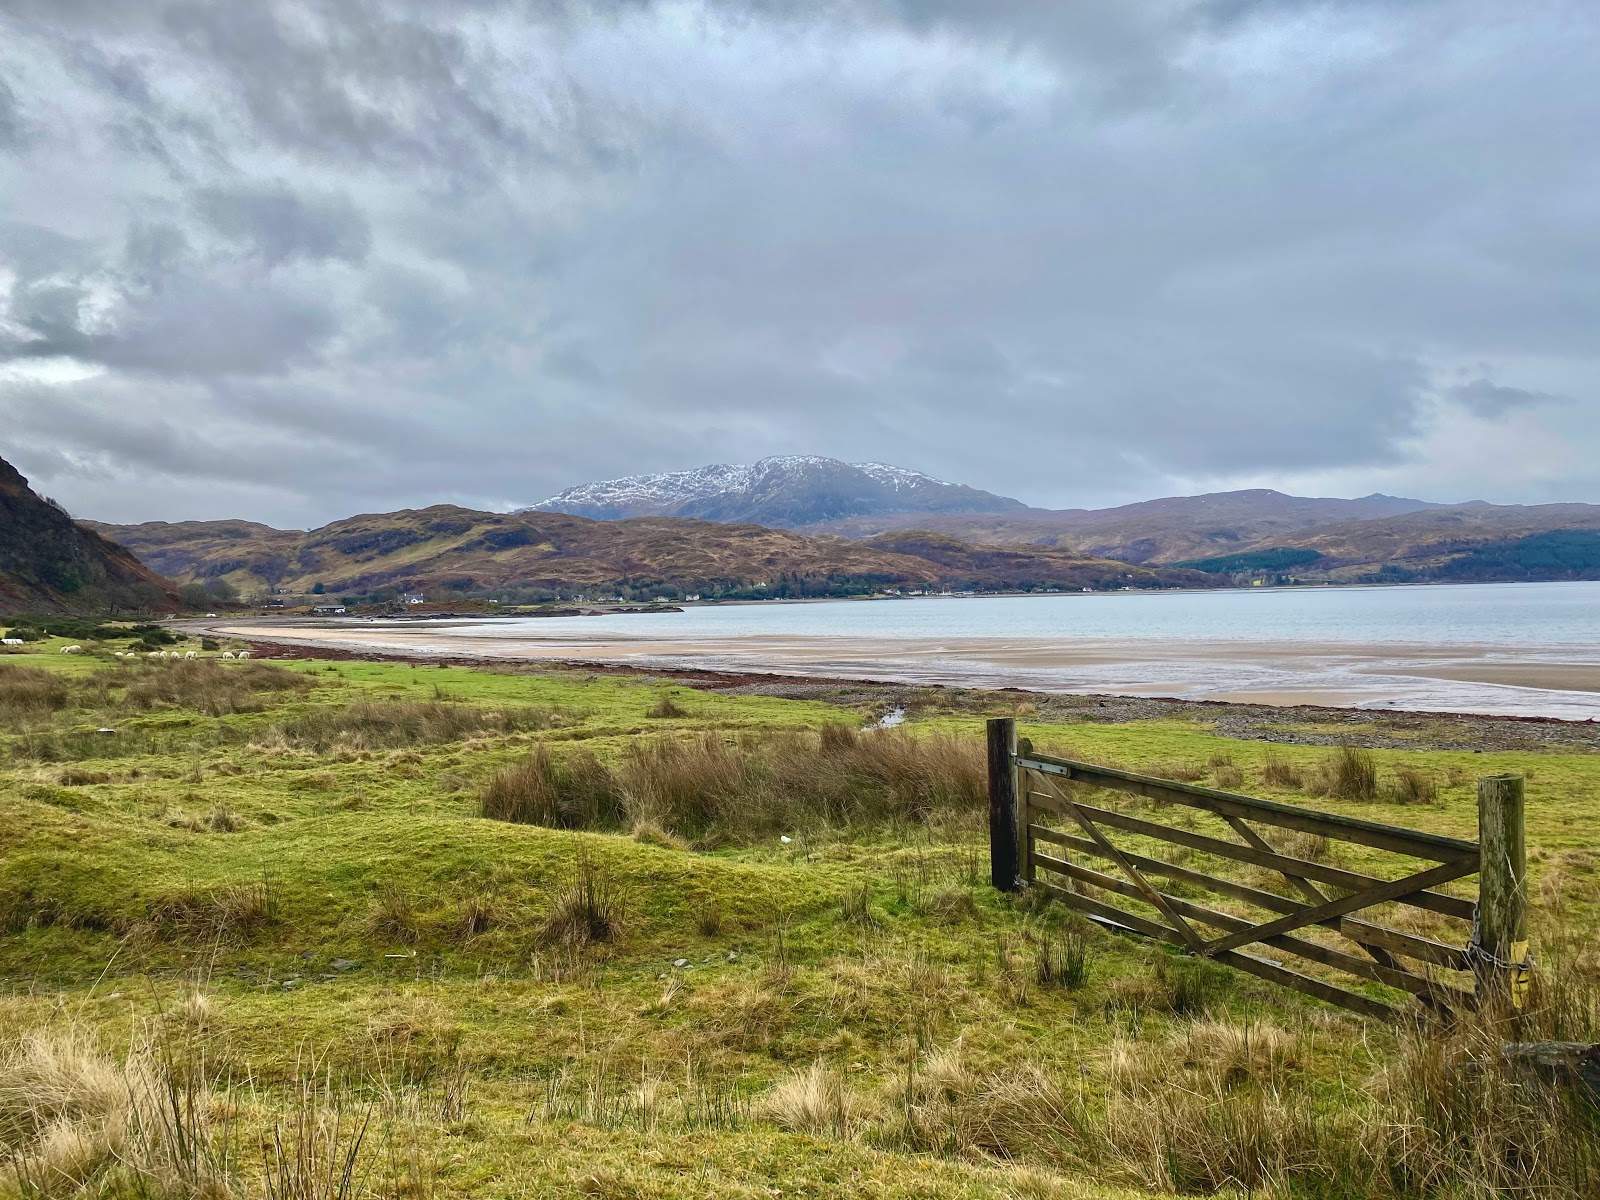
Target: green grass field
(260, 941)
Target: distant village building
(328, 610)
(413, 598)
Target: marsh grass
(1350, 774)
(384, 724)
(1064, 961)
(1413, 786)
(591, 909)
(573, 791)
(29, 692)
(208, 686)
(708, 790)
(1279, 772)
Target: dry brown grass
(74, 1121)
(1229, 778)
(393, 915)
(814, 1100)
(233, 911)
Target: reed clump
(573, 791)
(710, 790)
(1351, 774)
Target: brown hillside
(50, 563)
(445, 548)
(1428, 541)
(1167, 530)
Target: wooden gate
(1462, 952)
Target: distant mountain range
(1256, 533)
(445, 550)
(49, 563)
(785, 492)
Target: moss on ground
(335, 898)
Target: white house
(413, 598)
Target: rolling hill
(1465, 543)
(1165, 530)
(446, 550)
(50, 563)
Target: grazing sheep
(188, 654)
(243, 654)
(72, 649)
(153, 654)
(227, 654)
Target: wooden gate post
(1003, 864)
(1502, 933)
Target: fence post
(1502, 933)
(1003, 804)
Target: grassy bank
(330, 929)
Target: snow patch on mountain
(782, 490)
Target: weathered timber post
(1025, 868)
(1003, 862)
(1502, 964)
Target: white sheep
(153, 654)
(188, 654)
(243, 654)
(227, 654)
(72, 649)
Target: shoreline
(1244, 716)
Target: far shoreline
(425, 642)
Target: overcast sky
(293, 261)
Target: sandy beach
(1461, 678)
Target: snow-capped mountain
(783, 491)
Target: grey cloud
(13, 130)
(336, 255)
(279, 225)
(1483, 398)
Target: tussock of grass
(575, 791)
(814, 1100)
(666, 707)
(1412, 786)
(708, 790)
(1351, 774)
(393, 915)
(389, 724)
(231, 911)
(590, 910)
(1279, 772)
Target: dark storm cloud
(295, 259)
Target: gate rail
(1027, 788)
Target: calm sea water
(1513, 615)
(1497, 648)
